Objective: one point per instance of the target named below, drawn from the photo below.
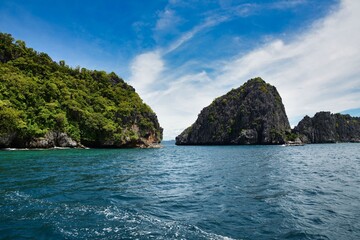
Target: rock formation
(325, 127)
(251, 114)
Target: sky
(180, 55)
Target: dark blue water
(227, 192)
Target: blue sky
(179, 55)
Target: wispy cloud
(287, 4)
(167, 20)
(145, 70)
(210, 22)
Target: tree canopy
(38, 95)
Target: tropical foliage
(38, 95)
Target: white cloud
(167, 19)
(317, 70)
(145, 71)
(178, 104)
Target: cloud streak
(210, 22)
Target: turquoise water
(182, 192)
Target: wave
(75, 220)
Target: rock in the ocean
(326, 127)
(53, 139)
(251, 114)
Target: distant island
(254, 114)
(45, 104)
(326, 127)
(251, 114)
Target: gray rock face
(53, 139)
(325, 127)
(251, 114)
(6, 139)
(50, 140)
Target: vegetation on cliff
(41, 98)
(251, 114)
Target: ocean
(182, 192)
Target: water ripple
(194, 192)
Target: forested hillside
(45, 104)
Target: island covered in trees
(45, 104)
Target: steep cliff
(251, 114)
(46, 104)
(325, 127)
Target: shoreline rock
(52, 139)
(153, 146)
(58, 140)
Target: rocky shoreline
(153, 146)
(60, 140)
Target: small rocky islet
(251, 114)
(326, 127)
(254, 114)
